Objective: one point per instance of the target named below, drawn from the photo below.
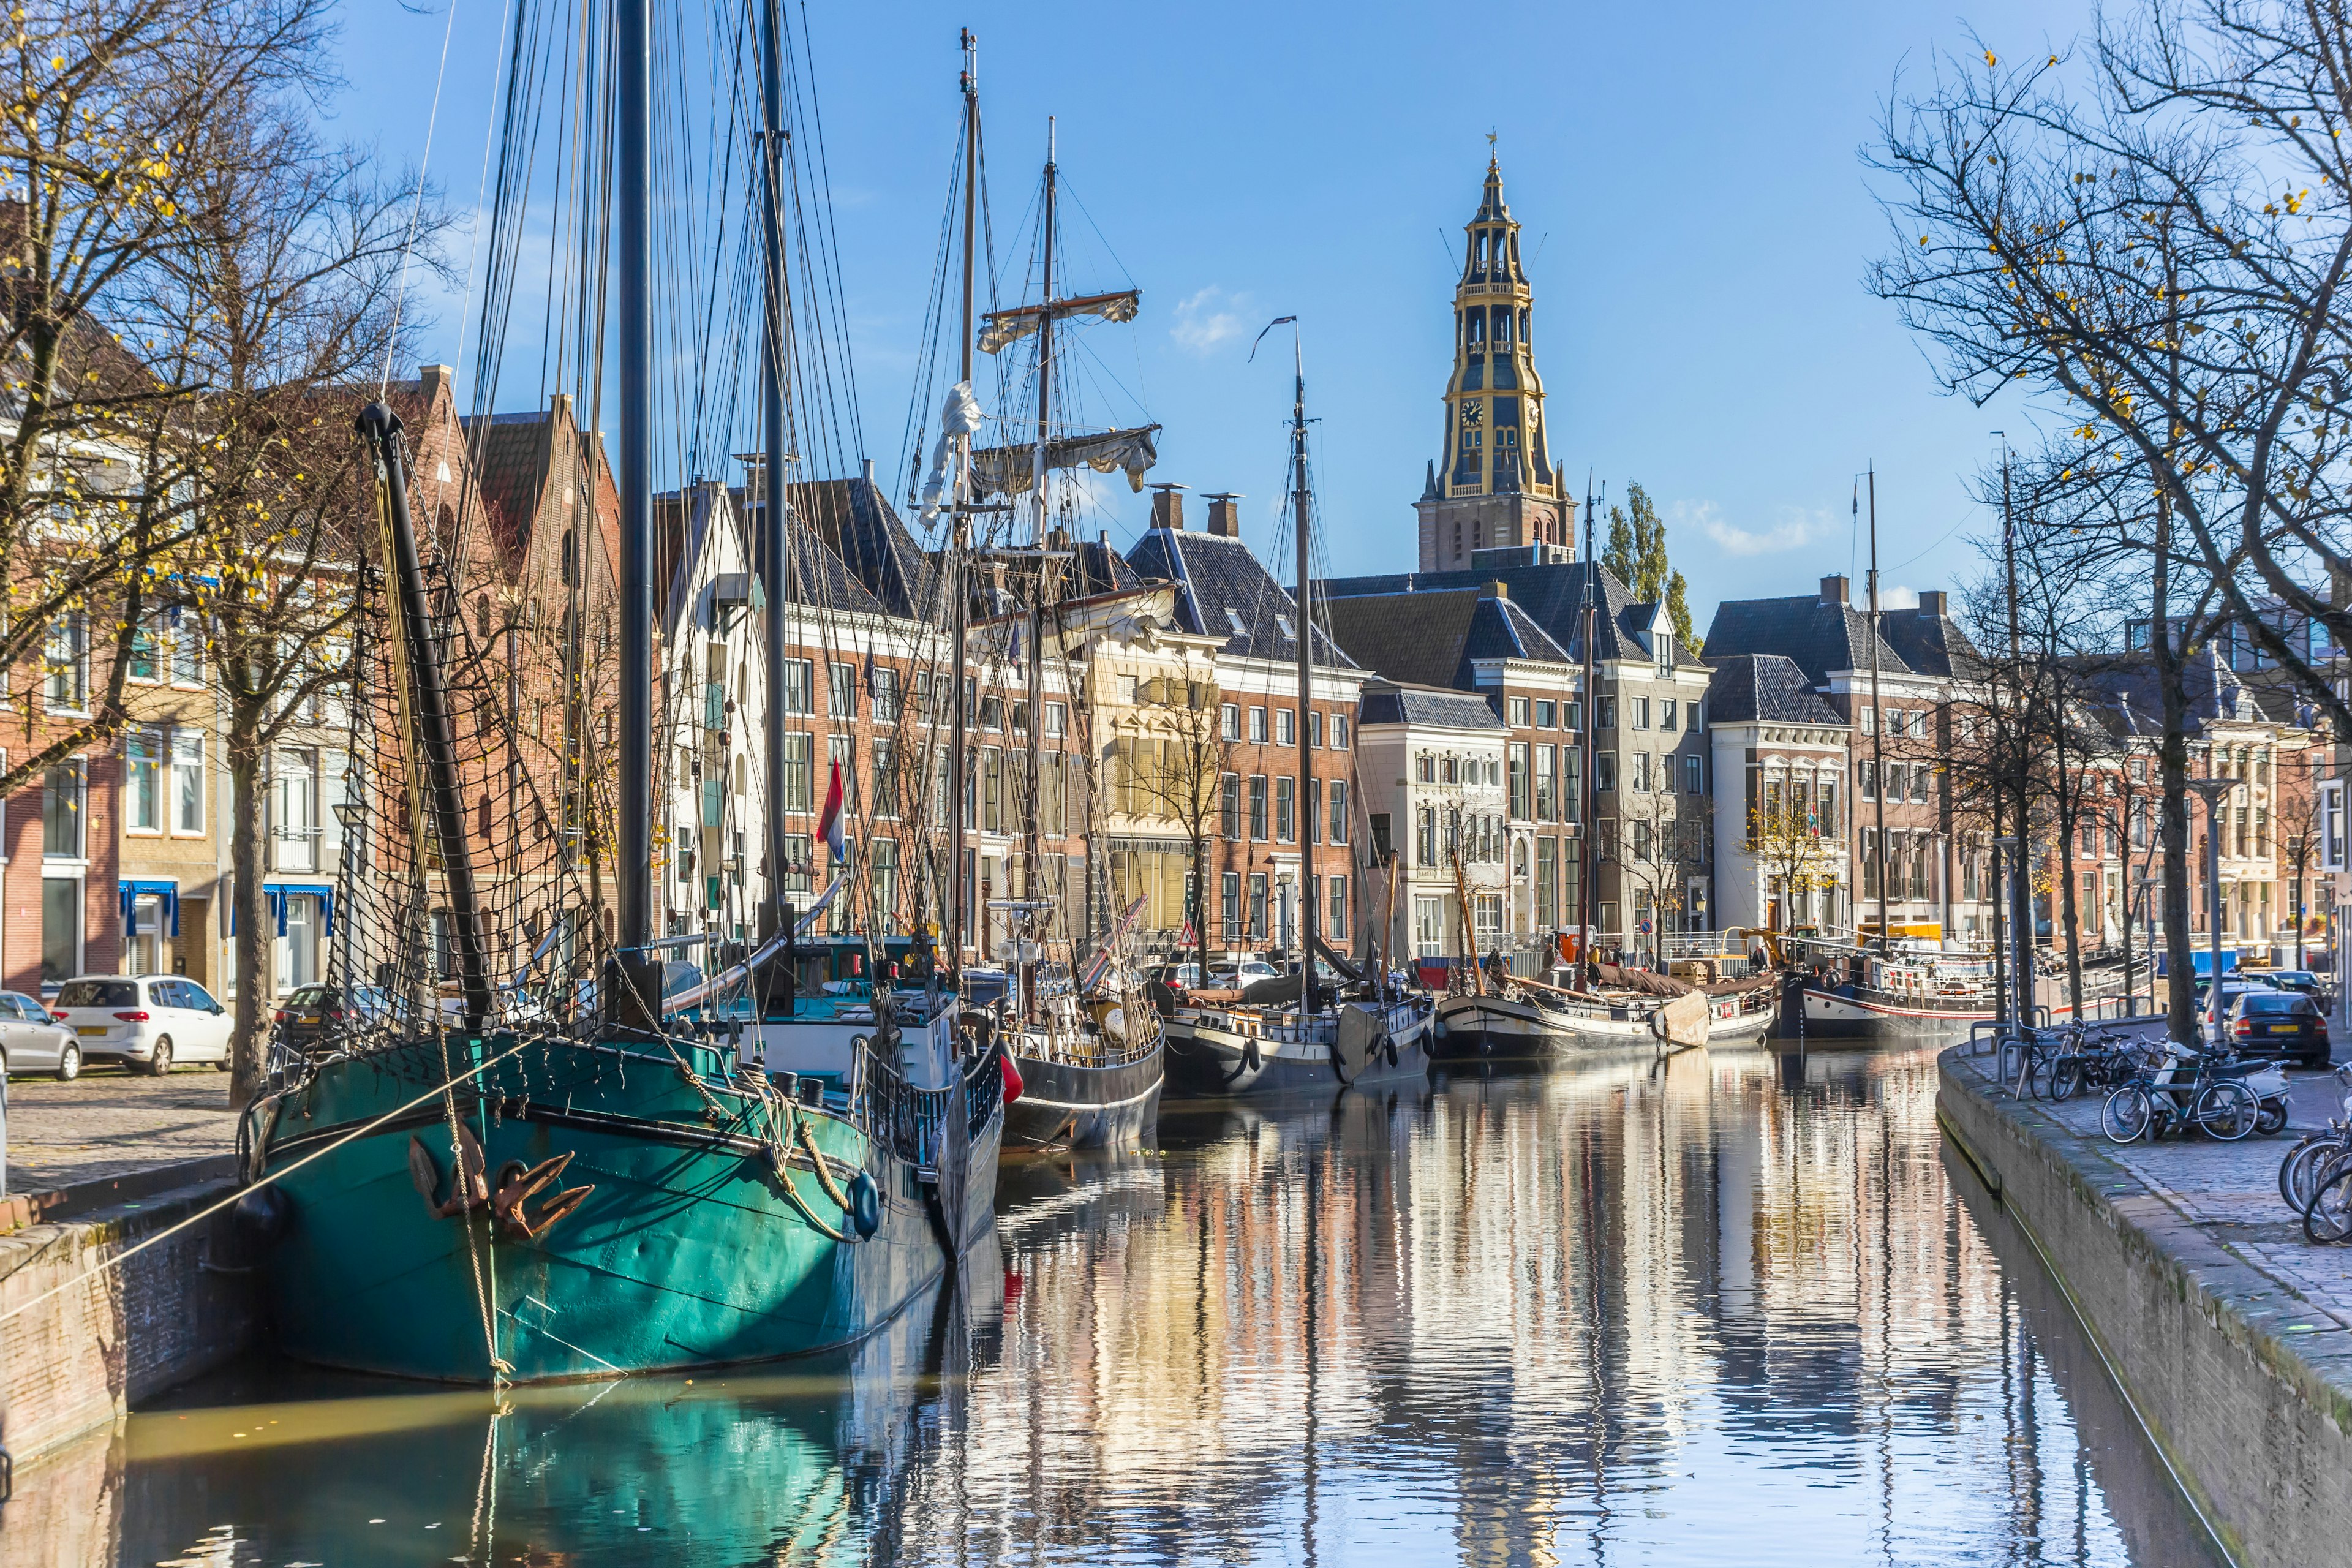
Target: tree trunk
(2172, 770)
(249, 1037)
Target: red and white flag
(828, 827)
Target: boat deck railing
(908, 1119)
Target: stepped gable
(1764, 687)
(1224, 589)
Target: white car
(153, 1020)
(32, 1041)
(1233, 975)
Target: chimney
(866, 472)
(559, 407)
(1168, 507)
(1225, 517)
(1497, 589)
(1833, 590)
(1931, 602)
(435, 379)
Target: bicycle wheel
(2066, 1079)
(2227, 1110)
(2329, 1216)
(2296, 1167)
(2272, 1118)
(2125, 1115)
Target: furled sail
(1000, 327)
(1010, 470)
(959, 416)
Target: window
(885, 764)
(1604, 773)
(841, 678)
(1546, 784)
(991, 713)
(1545, 712)
(1571, 784)
(796, 790)
(187, 781)
(1229, 814)
(142, 761)
(1338, 825)
(1865, 779)
(886, 694)
(1919, 782)
(1519, 707)
(1606, 716)
(65, 665)
(1338, 732)
(1546, 883)
(1257, 726)
(188, 652)
(1640, 761)
(1638, 710)
(1315, 729)
(1869, 847)
(1869, 717)
(1641, 837)
(1571, 716)
(991, 789)
(800, 857)
(1521, 779)
(1825, 816)
(1257, 904)
(1668, 713)
(1429, 926)
(798, 693)
(1257, 807)
(62, 813)
(1229, 721)
(1425, 836)
(1286, 809)
(144, 666)
(1286, 731)
(1338, 886)
(61, 929)
(1694, 772)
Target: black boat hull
(1066, 1106)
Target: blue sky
(1697, 225)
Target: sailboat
(1085, 1050)
(1298, 1033)
(529, 1177)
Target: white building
(1431, 764)
(1781, 805)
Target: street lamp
(2006, 863)
(2215, 791)
(2147, 886)
(350, 815)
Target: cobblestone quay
(2231, 1335)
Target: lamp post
(349, 816)
(2298, 846)
(2215, 791)
(2006, 864)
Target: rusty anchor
(518, 1183)
(469, 1191)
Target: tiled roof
(1751, 688)
(1389, 703)
(511, 454)
(1819, 638)
(1433, 638)
(861, 529)
(2134, 704)
(1222, 588)
(1932, 644)
(1549, 596)
(817, 576)
(1097, 568)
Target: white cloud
(1209, 317)
(1898, 598)
(1792, 527)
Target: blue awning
(133, 892)
(275, 892)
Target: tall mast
(960, 529)
(1877, 717)
(633, 55)
(1588, 629)
(774, 585)
(1032, 856)
(1306, 818)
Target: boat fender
(1438, 1027)
(865, 1205)
(1013, 1087)
(1250, 1053)
(262, 1217)
(1388, 1048)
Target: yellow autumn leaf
(1991, 60)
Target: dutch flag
(828, 827)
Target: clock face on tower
(1471, 410)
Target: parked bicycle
(2185, 1088)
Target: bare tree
(1181, 723)
(1785, 833)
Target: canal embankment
(90, 1340)
(2229, 1334)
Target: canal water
(1729, 1308)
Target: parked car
(2303, 980)
(1231, 975)
(149, 1020)
(2281, 1024)
(2233, 988)
(32, 1041)
(315, 1011)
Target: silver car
(33, 1041)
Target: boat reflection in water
(1721, 1307)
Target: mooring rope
(208, 1211)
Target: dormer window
(1664, 644)
(1235, 617)
(1283, 622)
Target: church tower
(1496, 487)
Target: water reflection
(1727, 1307)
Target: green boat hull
(687, 1252)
